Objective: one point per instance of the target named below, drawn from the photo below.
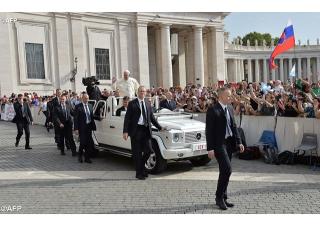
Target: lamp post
(75, 70)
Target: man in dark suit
(169, 103)
(137, 125)
(63, 120)
(124, 106)
(84, 125)
(22, 118)
(222, 140)
(55, 103)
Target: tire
(200, 161)
(155, 164)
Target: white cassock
(127, 87)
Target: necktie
(87, 113)
(144, 115)
(229, 132)
(65, 111)
(23, 113)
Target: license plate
(198, 147)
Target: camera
(92, 88)
(90, 81)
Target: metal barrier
(288, 131)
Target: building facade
(44, 51)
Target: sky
(306, 25)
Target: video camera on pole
(92, 88)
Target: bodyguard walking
(222, 140)
(84, 125)
(63, 120)
(137, 125)
(23, 119)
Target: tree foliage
(252, 36)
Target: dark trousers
(65, 135)
(86, 142)
(46, 114)
(223, 156)
(141, 148)
(56, 133)
(23, 125)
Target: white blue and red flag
(285, 42)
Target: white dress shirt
(228, 130)
(141, 122)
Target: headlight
(176, 137)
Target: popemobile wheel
(155, 164)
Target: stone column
(290, 67)
(242, 69)
(257, 70)
(166, 56)
(182, 62)
(281, 70)
(308, 69)
(226, 68)
(265, 72)
(198, 56)
(235, 70)
(299, 68)
(249, 71)
(217, 53)
(159, 78)
(143, 57)
(238, 71)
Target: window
(35, 61)
(102, 64)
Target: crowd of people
(296, 99)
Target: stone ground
(42, 181)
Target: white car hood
(183, 124)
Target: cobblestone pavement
(42, 181)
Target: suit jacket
(19, 115)
(119, 110)
(80, 118)
(216, 123)
(172, 106)
(133, 114)
(59, 116)
(50, 110)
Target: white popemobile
(184, 138)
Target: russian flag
(285, 42)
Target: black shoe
(228, 204)
(222, 205)
(62, 153)
(27, 147)
(87, 161)
(80, 159)
(16, 144)
(140, 177)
